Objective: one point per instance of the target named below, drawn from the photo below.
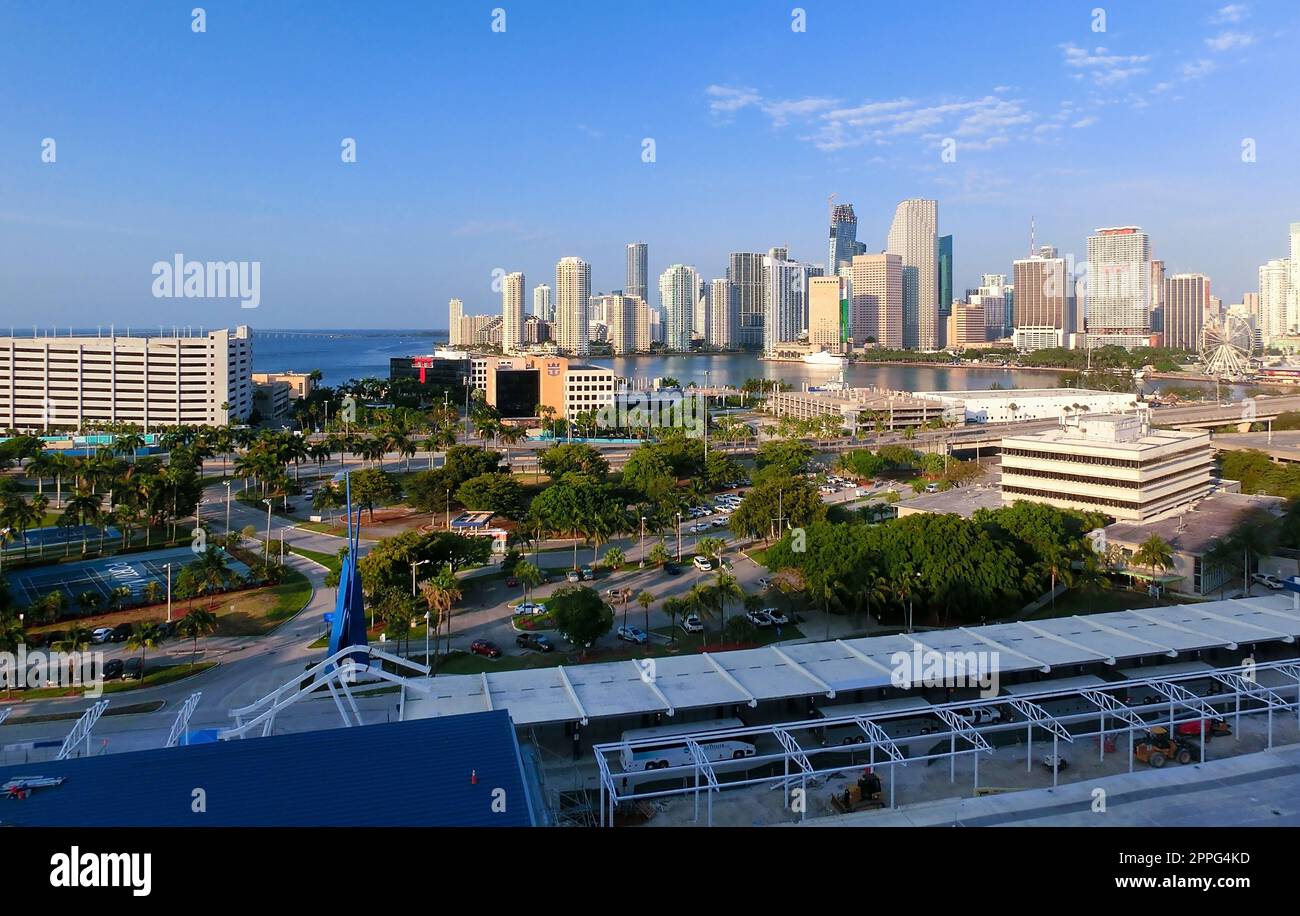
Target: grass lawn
(319, 527)
(128, 710)
(154, 677)
(329, 560)
(1101, 602)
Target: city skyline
(1087, 121)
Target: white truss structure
(4, 714)
(182, 721)
(802, 761)
(338, 674)
(81, 730)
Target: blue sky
(479, 150)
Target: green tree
(497, 493)
(573, 458)
(580, 615)
(196, 623)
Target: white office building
(913, 236)
(572, 293)
(679, 288)
(1118, 301)
(1002, 406)
(78, 383)
(543, 305)
(512, 313)
(785, 300)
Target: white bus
(672, 751)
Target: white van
(671, 750)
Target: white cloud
(1198, 68)
(1086, 121)
(1228, 41)
(726, 100)
(1233, 12)
(1104, 68)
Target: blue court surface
(102, 575)
(44, 537)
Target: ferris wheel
(1226, 345)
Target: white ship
(822, 358)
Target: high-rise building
(991, 295)
(913, 237)
(826, 297)
(543, 306)
(745, 271)
(785, 299)
(945, 276)
(71, 383)
(1293, 282)
(1275, 316)
(678, 288)
(1118, 307)
(723, 314)
(572, 290)
(637, 273)
(512, 313)
(967, 325)
(455, 311)
(1041, 314)
(1186, 301)
(844, 244)
(628, 327)
(1157, 296)
(876, 310)
(700, 329)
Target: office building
(76, 383)
(1021, 404)
(967, 326)
(913, 237)
(512, 313)
(1115, 464)
(543, 304)
(723, 314)
(945, 279)
(844, 244)
(1275, 299)
(876, 301)
(745, 271)
(1186, 303)
(455, 311)
(1118, 307)
(1041, 312)
(828, 307)
(785, 299)
(572, 290)
(628, 324)
(300, 383)
(637, 272)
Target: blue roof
(432, 772)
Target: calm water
(344, 354)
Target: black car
(112, 668)
(121, 633)
(537, 641)
(672, 569)
(166, 630)
(133, 668)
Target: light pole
(449, 510)
(465, 381)
(706, 415)
(227, 506)
(426, 637)
(414, 566)
(642, 542)
(679, 537)
(168, 567)
(266, 546)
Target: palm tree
(441, 592)
(76, 639)
(726, 588)
(196, 623)
(144, 635)
(529, 576)
(1155, 554)
(645, 599)
(89, 602)
(613, 558)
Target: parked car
(573, 576)
(932, 488)
(719, 523)
(631, 634)
(166, 630)
(758, 619)
(535, 641)
(1267, 581)
(484, 647)
(512, 581)
(121, 633)
(101, 634)
(764, 582)
(112, 668)
(776, 616)
(980, 715)
(530, 607)
(672, 569)
(132, 668)
(587, 573)
(696, 529)
(703, 564)
(691, 624)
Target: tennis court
(102, 575)
(45, 537)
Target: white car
(776, 616)
(725, 510)
(101, 634)
(980, 715)
(758, 619)
(631, 634)
(703, 564)
(691, 624)
(529, 607)
(719, 523)
(696, 529)
(1267, 581)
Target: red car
(483, 647)
(512, 582)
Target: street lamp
(266, 545)
(642, 542)
(449, 510)
(426, 636)
(168, 567)
(679, 537)
(227, 506)
(414, 566)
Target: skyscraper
(1041, 315)
(628, 327)
(991, 296)
(1157, 295)
(745, 270)
(1275, 316)
(512, 313)
(913, 237)
(543, 306)
(678, 288)
(844, 239)
(876, 309)
(1118, 301)
(945, 275)
(785, 302)
(455, 311)
(722, 314)
(1186, 300)
(1293, 307)
(637, 273)
(825, 299)
(572, 290)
